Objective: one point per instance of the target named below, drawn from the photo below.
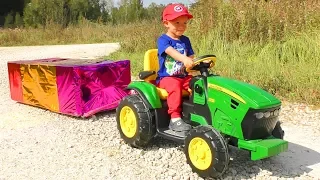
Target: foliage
(9, 20)
(38, 13)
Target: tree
(136, 10)
(154, 11)
(128, 11)
(18, 21)
(106, 8)
(63, 12)
(9, 8)
(9, 20)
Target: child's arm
(187, 61)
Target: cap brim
(172, 17)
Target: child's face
(177, 26)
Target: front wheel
(135, 121)
(206, 152)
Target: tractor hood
(251, 95)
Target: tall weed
(255, 21)
(290, 69)
(85, 32)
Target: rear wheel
(206, 152)
(135, 121)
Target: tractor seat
(151, 66)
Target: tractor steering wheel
(200, 65)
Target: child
(175, 53)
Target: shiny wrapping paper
(75, 87)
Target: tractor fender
(148, 92)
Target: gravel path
(39, 144)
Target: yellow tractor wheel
(206, 152)
(128, 121)
(135, 121)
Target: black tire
(145, 129)
(218, 147)
(277, 131)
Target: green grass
(290, 69)
(53, 34)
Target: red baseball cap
(172, 11)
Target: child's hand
(188, 62)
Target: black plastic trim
(254, 128)
(144, 74)
(203, 110)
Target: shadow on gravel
(98, 116)
(293, 163)
(164, 143)
(290, 164)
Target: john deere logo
(178, 8)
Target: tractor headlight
(259, 115)
(267, 114)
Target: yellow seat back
(151, 63)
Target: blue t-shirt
(167, 65)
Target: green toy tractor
(223, 112)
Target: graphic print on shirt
(175, 67)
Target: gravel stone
(39, 144)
